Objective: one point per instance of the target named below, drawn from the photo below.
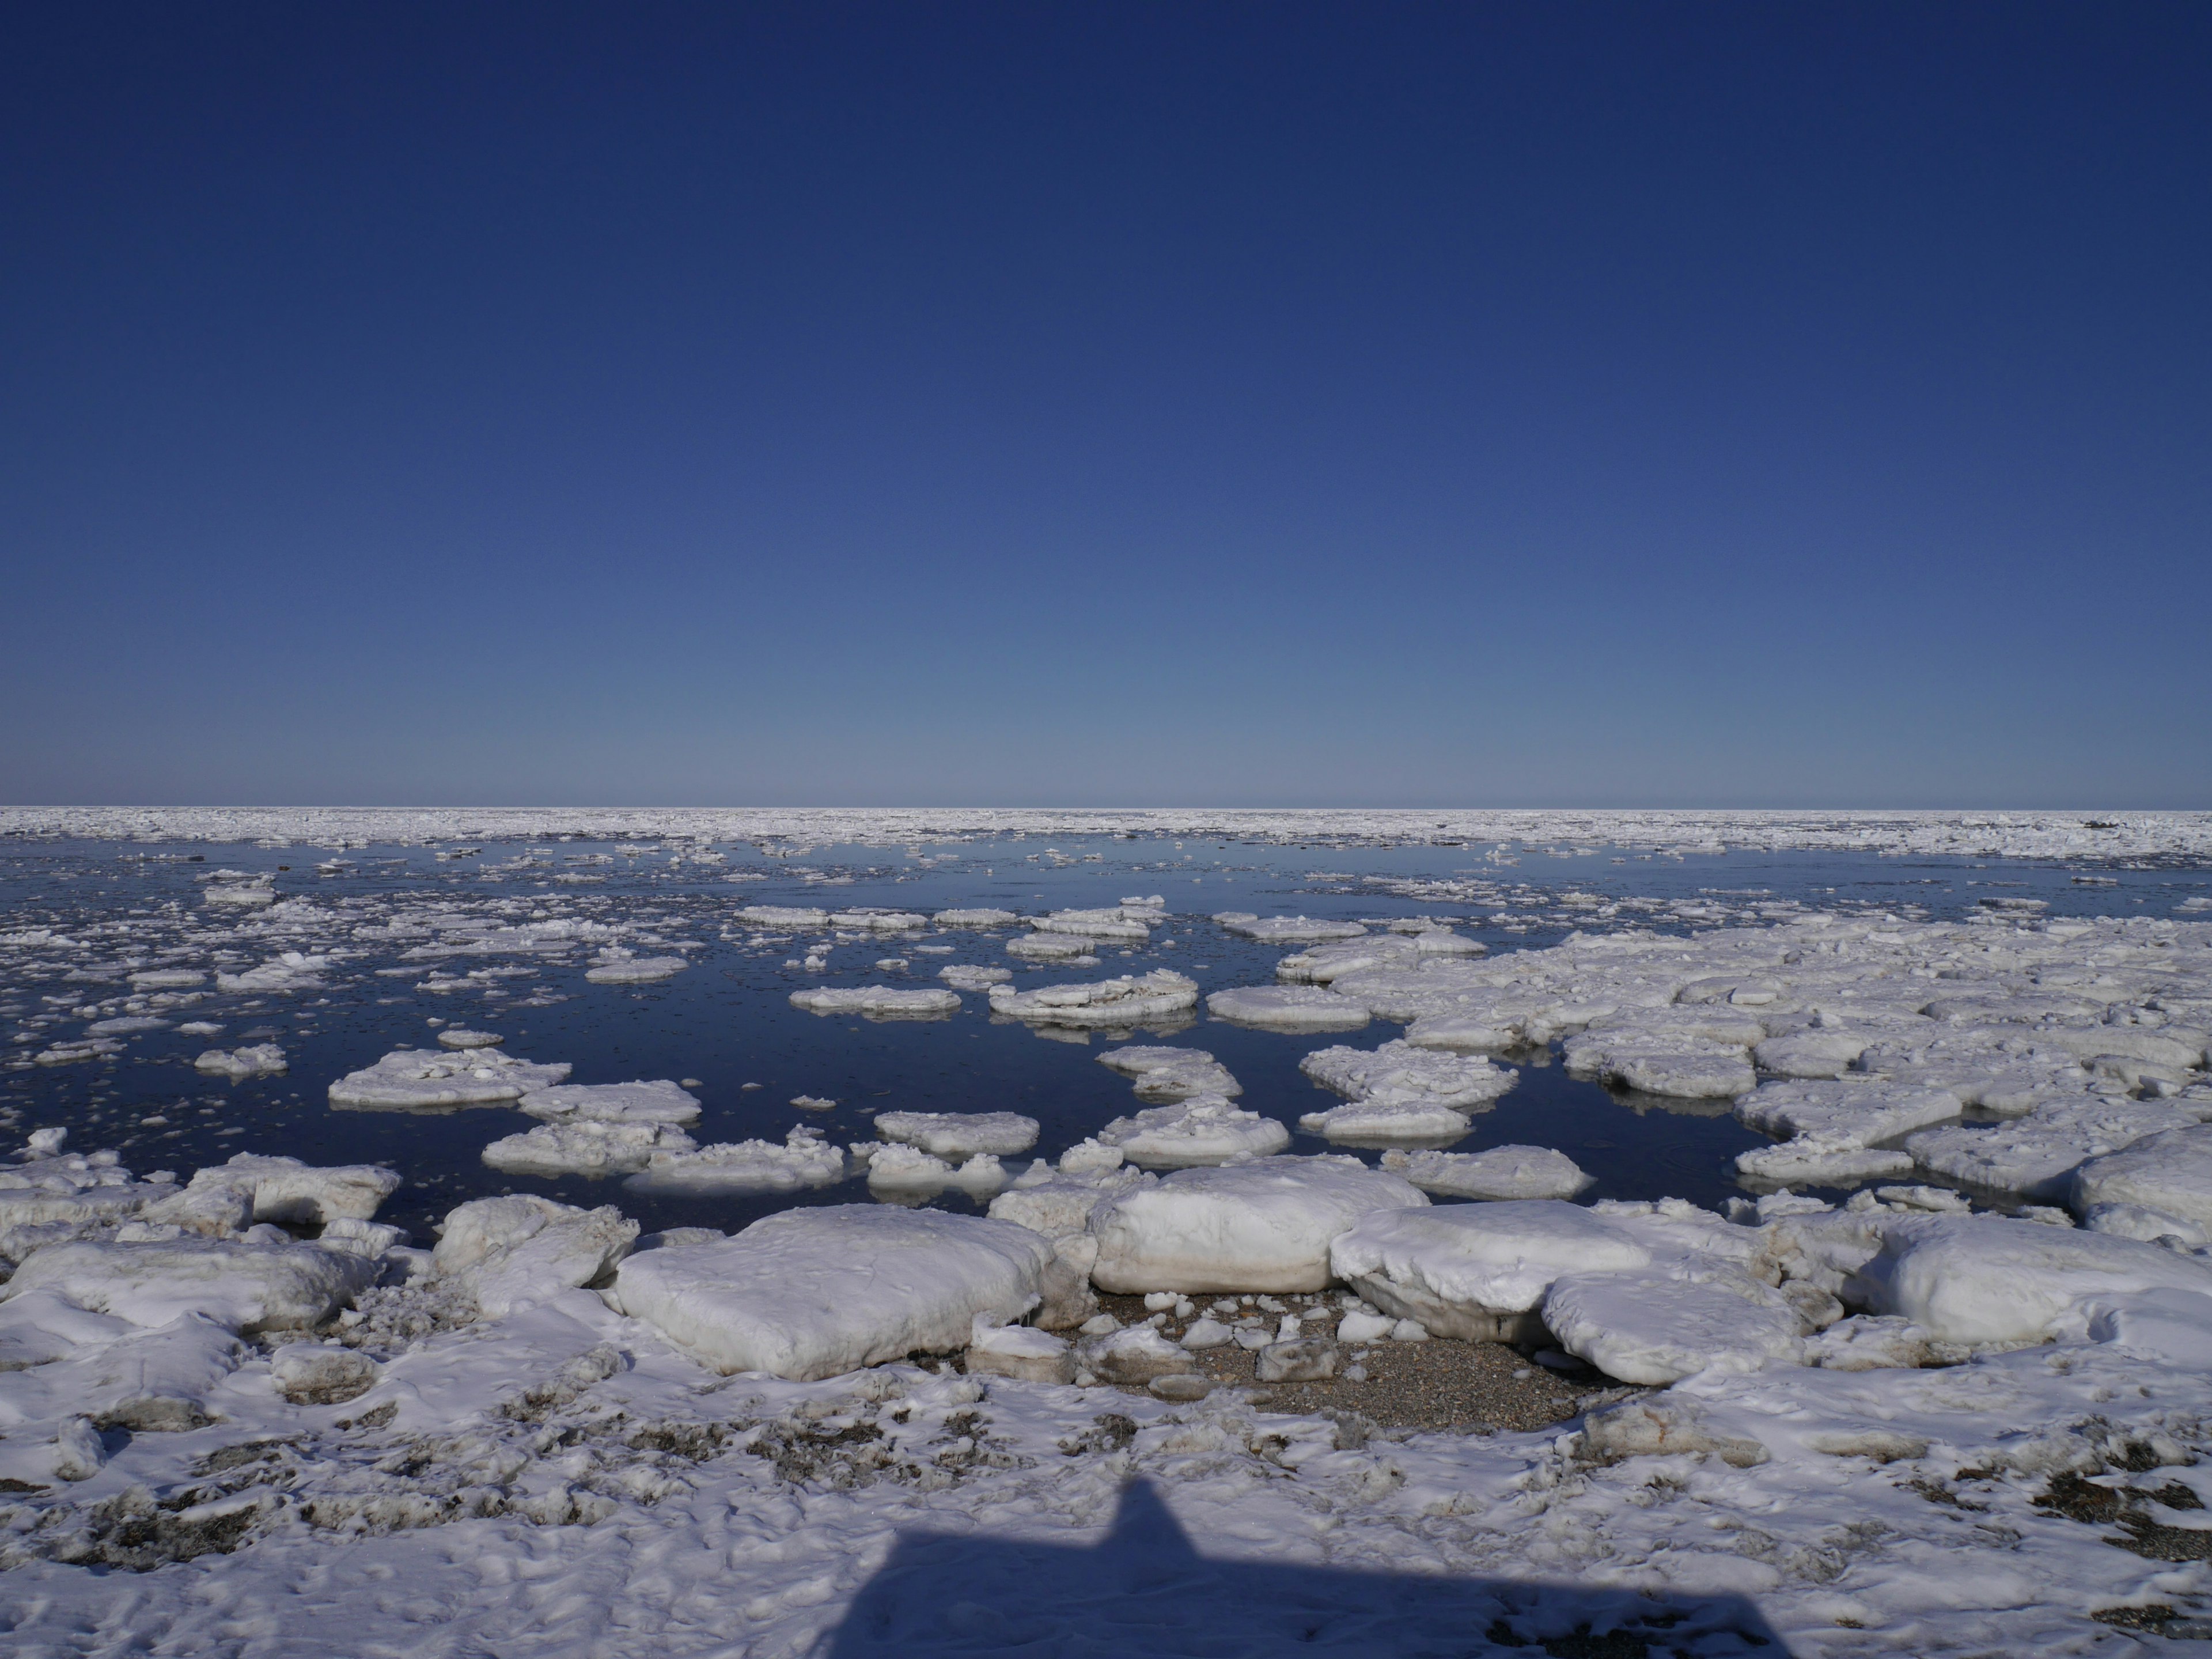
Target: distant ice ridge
(2073, 834)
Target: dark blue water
(727, 1021)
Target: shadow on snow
(1143, 1591)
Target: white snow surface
(2170, 1171)
(1287, 1008)
(1398, 1074)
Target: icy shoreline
(2084, 834)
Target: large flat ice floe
(1398, 1074)
(433, 1079)
(1287, 1008)
(1202, 1129)
(811, 1293)
(960, 1134)
(1128, 1001)
(879, 1002)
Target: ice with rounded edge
(1115, 924)
(1166, 1075)
(511, 1252)
(1500, 1172)
(960, 1134)
(816, 1293)
(585, 1146)
(879, 1002)
(429, 1079)
(1398, 1074)
(1287, 930)
(1985, 1280)
(242, 1287)
(456, 1037)
(805, 1159)
(1287, 1008)
(782, 915)
(1053, 947)
(1204, 1129)
(2138, 1221)
(1266, 1225)
(1658, 1327)
(1126, 1000)
(255, 1187)
(1466, 1270)
(616, 966)
(1369, 1121)
(2036, 1156)
(976, 918)
(261, 1059)
(290, 972)
(2169, 1171)
(658, 1101)
(964, 976)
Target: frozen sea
(499, 936)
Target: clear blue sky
(1459, 405)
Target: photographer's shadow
(1144, 1591)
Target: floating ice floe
(805, 1159)
(291, 973)
(1287, 930)
(782, 915)
(976, 918)
(2169, 1172)
(1287, 1008)
(228, 1197)
(166, 979)
(1203, 1129)
(1053, 947)
(1123, 922)
(814, 1293)
(896, 1166)
(1324, 964)
(126, 1026)
(1685, 1065)
(658, 1101)
(1862, 1109)
(964, 976)
(1477, 1271)
(2036, 1156)
(456, 1037)
(510, 1253)
(239, 890)
(1373, 1122)
(616, 966)
(429, 1079)
(1128, 1000)
(260, 1060)
(1397, 1073)
(585, 1145)
(869, 919)
(1171, 1074)
(960, 1134)
(879, 1002)
(1265, 1225)
(1501, 1172)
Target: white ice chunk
(254, 1186)
(962, 977)
(960, 1134)
(616, 966)
(1398, 1074)
(2170, 1171)
(1502, 1172)
(1124, 1001)
(1686, 1066)
(1656, 1328)
(455, 1036)
(879, 1002)
(1371, 1121)
(658, 1101)
(1171, 1074)
(976, 917)
(585, 1146)
(1053, 947)
(511, 1252)
(805, 1159)
(261, 1059)
(1287, 1008)
(1116, 924)
(2036, 1156)
(242, 1287)
(1262, 1226)
(869, 919)
(1982, 1279)
(1287, 930)
(428, 1079)
(1204, 1129)
(815, 1293)
(1848, 1111)
(782, 915)
(1463, 1269)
